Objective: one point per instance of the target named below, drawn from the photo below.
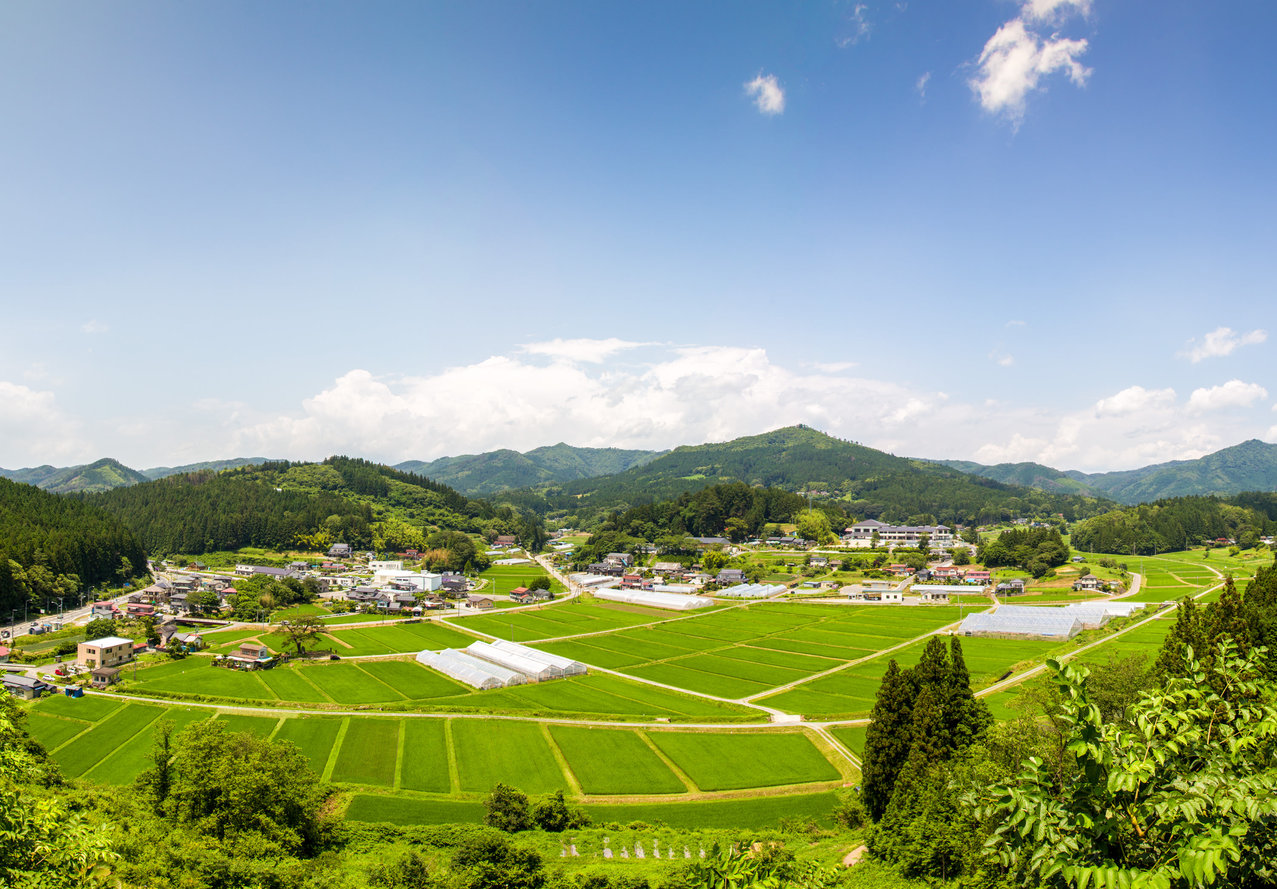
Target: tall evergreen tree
(969, 716)
(1190, 630)
(888, 738)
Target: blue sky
(991, 230)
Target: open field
(417, 754)
(504, 578)
(569, 618)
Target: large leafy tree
(1186, 797)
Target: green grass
(568, 618)
(314, 736)
(425, 756)
(112, 732)
(369, 752)
(717, 761)
(355, 619)
(350, 685)
(400, 638)
(614, 761)
(852, 737)
(289, 684)
(503, 578)
(125, 763)
(749, 814)
(91, 707)
(412, 680)
(197, 676)
(261, 726)
(515, 753)
(53, 732)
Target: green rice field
(504, 578)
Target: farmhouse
(863, 534)
(104, 609)
(249, 656)
(339, 551)
(25, 687)
(104, 676)
(1089, 582)
(109, 651)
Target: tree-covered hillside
(281, 505)
(505, 469)
(865, 482)
(1177, 524)
(50, 546)
(102, 475)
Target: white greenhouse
(471, 670)
(672, 601)
(1022, 620)
(534, 670)
(751, 590)
(567, 665)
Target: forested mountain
(51, 546)
(866, 482)
(1178, 523)
(501, 470)
(102, 475)
(214, 465)
(279, 505)
(1249, 466)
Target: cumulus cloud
(767, 94)
(1234, 393)
(1220, 342)
(657, 399)
(33, 429)
(1016, 58)
(1132, 400)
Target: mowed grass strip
(614, 761)
(90, 748)
(131, 758)
(314, 736)
(722, 761)
(514, 753)
(368, 752)
(425, 756)
(51, 731)
(348, 684)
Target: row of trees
(1036, 550)
(1176, 524)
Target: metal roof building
(752, 590)
(535, 670)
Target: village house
(1012, 587)
(339, 551)
(1089, 582)
(104, 609)
(25, 687)
(505, 540)
(864, 534)
(481, 603)
(730, 576)
(109, 651)
(249, 656)
(101, 677)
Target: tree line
(1178, 523)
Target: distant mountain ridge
(493, 471)
(1249, 466)
(89, 478)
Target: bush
(507, 809)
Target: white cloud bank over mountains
(613, 392)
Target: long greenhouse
(473, 671)
(568, 666)
(671, 601)
(533, 669)
(751, 590)
(1022, 620)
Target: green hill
(282, 505)
(102, 475)
(505, 469)
(868, 482)
(51, 538)
(1249, 466)
(214, 465)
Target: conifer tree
(969, 716)
(1188, 630)
(888, 738)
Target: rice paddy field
(400, 685)
(504, 578)
(571, 618)
(108, 740)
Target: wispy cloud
(767, 94)
(593, 351)
(860, 26)
(1016, 58)
(94, 326)
(1220, 342)
(921, 84)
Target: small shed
(104, 676)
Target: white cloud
(660, 398)
(1234, 393)
(33, 429)
(1051, 10)
(1015, 322)
(1220, 342)
(1016, 58)
(921, 84)
(860, 25)
(767, 94)
(1132, 400)
(94, 326)
(593, 351)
